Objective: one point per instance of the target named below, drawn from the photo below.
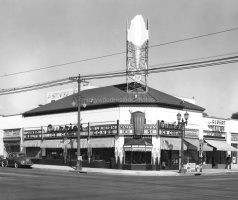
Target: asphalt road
(48, 184)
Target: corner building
(136, 131)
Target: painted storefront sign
(32, 134)
(234, 137)
(169, 129)
(212, 134)
(11, 133)
(103, 130)
(194, 133)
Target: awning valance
(101, 142)
(31, 143)
(10, 139)
(172, 144)
(137, 148)
(194, 144)
(140, 141)
(52, 144)
(221, 145)
(72, 143)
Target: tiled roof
(111, 96)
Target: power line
(119, 53)
(208, 63)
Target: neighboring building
(11, 131)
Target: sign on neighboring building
(212, 134)
(11, 133)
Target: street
(49, 184)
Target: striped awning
(193, 143)
(31, 143)
(101, 142)
(72, 143)
(221, 145)
(171, 144)
(52, 144)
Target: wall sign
(234, 137)
(217, 125)
(55, 131)
(170, 129)
(104, 130)
(150, 129)
(32, 134)
(11, 133)
(191, 133)
(126, 129)
(212, 134)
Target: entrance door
(169, 159)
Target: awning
(221, 145)
(72, 144)
(140, 141)
(194, 144)
(9, 139)
(137, 148)
(52, 144)
(101, 143)
(31, 143)
(172, 144)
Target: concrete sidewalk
(137, 173)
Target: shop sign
(234, 137)
(126, 129)
(104, 130)
(11, 133)
(212, 134)
(150, 129)
(63, 131)
(170, 129)
(217, 125)
(32, 134)
(191, 133)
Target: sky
(42, 33)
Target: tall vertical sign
(137, 55)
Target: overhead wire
(227, 60)
(119, 53)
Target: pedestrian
(228, 162)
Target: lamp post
(182, 123)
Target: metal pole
(78, 165)
(182, 136)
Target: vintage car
(2, 161)
(17, 159)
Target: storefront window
(54, 153)
(102, 154)
(215, 157)
(169, 158)
(138, 157)
(12, 147)
(72, 154)
(234, 154)
(33, 152)
(191, 156)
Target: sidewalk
(137, 173)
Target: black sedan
(17, 159)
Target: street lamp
(79, 157)
(182, 123)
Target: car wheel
(3, 164)
(15, 165)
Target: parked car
(17, 159)
(2, 161)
